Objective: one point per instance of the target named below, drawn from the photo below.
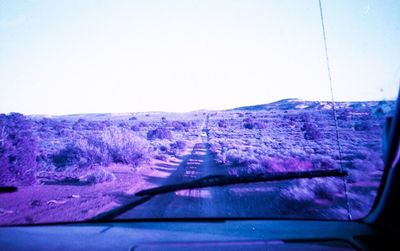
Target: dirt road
(229, 201)
(244, 200)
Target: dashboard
(179, 235)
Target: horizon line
(198, 110)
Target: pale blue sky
(60, 57)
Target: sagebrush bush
(251, 123)
(69, 156)
(324, 163)
(279, 164)
(215, 147)
(363, 125)
(180, 144)
(98, 176)
(178, 126)
(114, 145)
(248, 123)
(135, 128)
(95, 125)
(177, 147)
(222, 124)
(235, 157)
(161, 157)
(126, 147)
(18, 150)
(159, 133)
(163, 148)
(307, 190)
(311, 132)
(84, 152)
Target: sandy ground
(64, 203)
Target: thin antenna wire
(334, 110)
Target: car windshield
(125, 110)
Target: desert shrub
(94, 125)
(324, 163)
(67, 133)
(163, 148)
(311, 132)
(179, 125)
(143, 124)
(265, 163)
(126, 147)
(161, 157)
(362, 125)
(106, 123)
(325, 188)
(248, 123)
(18, 150)
(135, 128)
(243, 171)
(297, 195)
(123, 124)
(222, 124)
(220, 158)
(305, 117)
(260, 125)
(95, 151)
(179, 144)
(279, 164)
(251, 123)
(307, 190)
(296, 164)
(82, 153)
(343, 114)
(215, 147)
(69, 156)
(159, 133)
(193, 123)
(77, 126)
(177, 147)
(235, 157)
(117, 145)
(52, 123)
(98, 176)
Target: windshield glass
(102, 100)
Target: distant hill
(291, 104)
(382, 107)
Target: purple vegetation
(252, 123)
(180, 125)
(18, 150)
(98, 176)
(159, 133)
(114, 146)
(277, 138)
(222, 124)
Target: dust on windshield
(109, 99)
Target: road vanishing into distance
(242, 200)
